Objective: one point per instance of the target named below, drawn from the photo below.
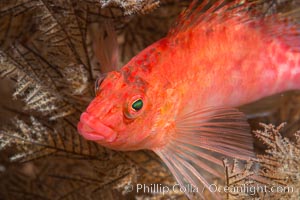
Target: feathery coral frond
(273, 175)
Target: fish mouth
(92, 129)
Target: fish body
(178, 96)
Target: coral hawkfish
(179, 96)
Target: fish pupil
(137, 105)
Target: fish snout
(91, 128)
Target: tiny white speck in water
(2, 168)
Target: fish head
(123, 113)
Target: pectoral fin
(200, 140)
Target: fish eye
(134, 106)
(137, 105)
(98, 82)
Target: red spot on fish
(139, 62)
(109, 85)
(281, 58)
(273, 51)
(126, 69)
(292, 64)
(163, 44)
(134, 72)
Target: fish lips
(92, 129)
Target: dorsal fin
(105, 45)
(274, 18)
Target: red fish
(178, 97)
